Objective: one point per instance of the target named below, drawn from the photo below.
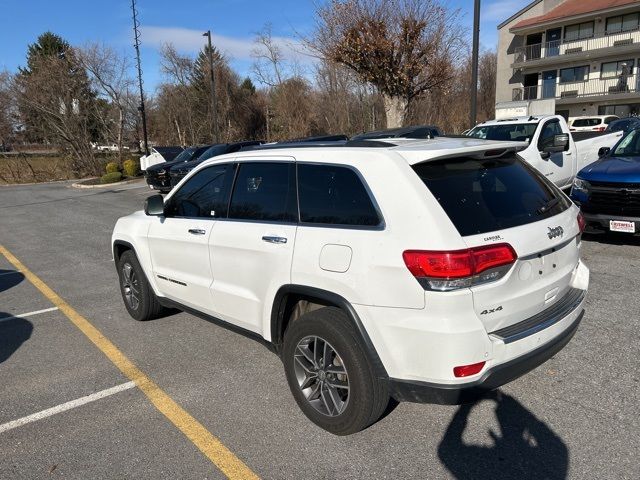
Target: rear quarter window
(334, 195)
(485, 195)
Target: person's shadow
(524, 448)
(14, 331)
(9, 279)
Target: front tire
(329, 373)
(138, 296)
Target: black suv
(157, 176)
(179, 171)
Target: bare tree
(109, 73)
(403, 47)
(58, 90)
(487, 69)
(269, 61)
(7, 109)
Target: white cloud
(237, 48)
(500, 10)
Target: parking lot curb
(106, 185)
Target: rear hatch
(498, 201)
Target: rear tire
(329, 373)
(138, 296)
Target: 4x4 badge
(555, 232)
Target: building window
(623, 23)
(574, 74)
(615, 69)
(578, 31)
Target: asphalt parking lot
(67, 411)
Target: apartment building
(571, 57)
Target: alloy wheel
(321, 375)
(130, 286)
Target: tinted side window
(264, 191)
(549, 130)
(334, 195)
(204, 195)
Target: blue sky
(234, 23)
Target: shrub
(130, 168)
(112, 167)
(111, 177)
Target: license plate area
(622, 226)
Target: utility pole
(474, 65)
(268, 118)
(216, 133)
(136, 36)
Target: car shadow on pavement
(9, 279)
(610, 238)
(524, 448)
(13, 333)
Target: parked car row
(166, 175)
(163, 171)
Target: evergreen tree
(48, 44)
(56, 102)
(247, 85)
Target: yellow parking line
(208, 444)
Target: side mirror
(154, 205)
(603, 151)
(559, 143)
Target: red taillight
(582, 223)
(599, 129)
(459, 263)
(468, 370)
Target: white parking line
(66, 406)
(29, 314)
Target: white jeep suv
(418, 270)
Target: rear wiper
(548, 206)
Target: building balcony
(576, 92)
(562, 51)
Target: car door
(558, 166)
(252, 250)
(179, 240)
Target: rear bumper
(455, 394)
(602, 219)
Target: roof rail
(318, 144)
(318, 138)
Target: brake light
(448, 270)
(582, 223)
(599, 129)
(468, 370)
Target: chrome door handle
(197, 231)
(270, 239)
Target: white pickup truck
(551, 147)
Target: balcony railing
(570, 47)
(591, 88)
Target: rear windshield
(586, 122)
(517, 132)
(485, 195)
